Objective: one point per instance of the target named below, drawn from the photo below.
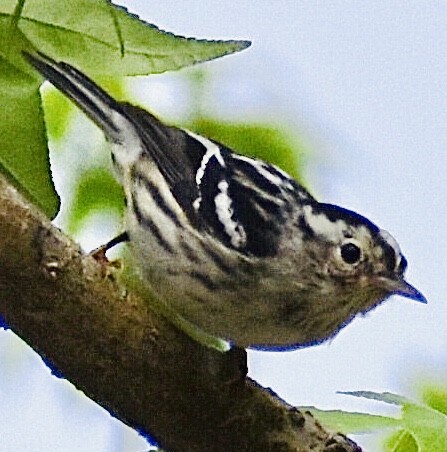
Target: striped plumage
(233, 243)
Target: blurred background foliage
(420, 426)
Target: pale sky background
(364, 84)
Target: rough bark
(131, 361)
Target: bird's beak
(400, 287)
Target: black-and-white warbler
(234, 244)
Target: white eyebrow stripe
(320, 224)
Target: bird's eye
(350, 253)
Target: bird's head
(357, 261)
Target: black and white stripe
(185, 178)
(242, 201)
(146, 221)
(153, 191)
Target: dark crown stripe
(334, 213)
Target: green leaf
(58, 112)
(108, 39)
(343, 421)
(96, 190)
(23, 149)
(401, 441)
(256, 140)
(435, 397)
(427, 426)
(386, 397)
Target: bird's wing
(243, 202)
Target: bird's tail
(93, 100)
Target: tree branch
(131, 361)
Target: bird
(234, 244)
